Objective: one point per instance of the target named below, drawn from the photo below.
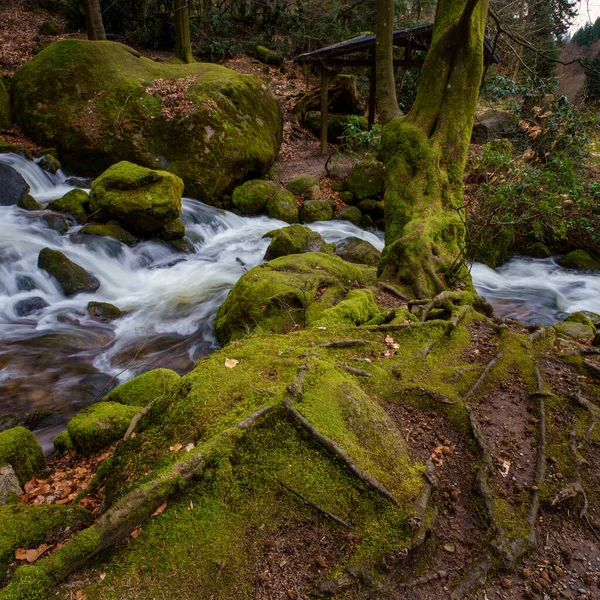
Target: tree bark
(93, 20)
(387, 103)
(183, 45)
(425, 154)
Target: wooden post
(372, 93)
(324, 103)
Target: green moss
(268, 56)
(28, 526)
(579, 259)
(99, 425)
(100, 103)
(366, 180)
(282, 206)
(251, 197)
(72, 278)
(62, 442)
(29, 582)
(143, 389)
(575, 330)
(73, 203)
(358, 308)
(301, 183)
(358, 251)
(141, 200)
(109, 230)
(539, 250)
(316, 210)
(495, 246)
(337, 125)
(6, 117)
(19, 448)
(28, 202)
(349, 213)
(295, 239)
(580, 317)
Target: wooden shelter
(360, 52)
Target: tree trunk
(425, 154)
(93, 20)
(387, 103)
(183, 45)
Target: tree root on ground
(422, 391)
(482, 377)
(355, 371)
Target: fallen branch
(295, 388)
(334, 449)
(316, 506)
(422, 391)
(482, 377)
(355, 371)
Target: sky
(589, 10)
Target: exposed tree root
(450, 300)
(482, 377)
(422, 391)
(392, 290)
(592, 409)
(295, 388)
(336, 451)
(342, 344)
(137, 418)
(317, 507)
(538, 333)
(593, 369)
(355, 371)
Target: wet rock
(580, 259)
(103, 312)
(358, 251)
(12, 186)
(366, 180)
(72, 278)
(26, 283)
(108, 230)
(74, 203)
(174, 230)
(56, 222)
(28, 202)
(183, 245)
(143, 389)
(298, 185)
(539, 250)
(282, 206)
(374, 208)
(316, 210)
(29, 306)
(295, 239)
(251, 197)
(9, 484)
(349, 213)
(576, 331)
(49, 163)
(141, 200)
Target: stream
(57, 360)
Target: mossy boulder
(574, 330)
(349, 213)
(348, 197)
(268, 57)
(99, 103)
(366, 180)
(539, 250)
(296, 239)
(103, 312)
(19, 448)
(72, 278)
(49, 28)
(110, 230)
(56, 222)
(100, 425)
(173, 230)
(251, 197)
(282, 206)
(358, 251)
(62, 442)
(314, 192)
(143, 389)
(73, 203)
(142, 200)
(49, 163)
(182, 245)
(6, 116)
(29, 525)
(374, 208)
(287, 292)
(316, 210)
(337, 125)
(580, 317)
(495, 246)
(298, 185)
(28, 202)
(12, 186)
(580, 259)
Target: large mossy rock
(268, 57)
(282, 206)
(316, 210)
(73, 203)
(100, 425)
(366, 180)
(6, 117)
(302, 183)
(13, 188)
(287, 292)
(107, 230)
(142, 200)
(99, 103)
(20, 448)
(72, 278)
(358, 251)
(251, 197)
(296, 239)
(143, 389)
(579, 259)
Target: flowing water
(57, 360)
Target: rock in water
(29, 306)
(142, 200)
(99, 103)
(72, 278)
(295, 239)
(12, 186)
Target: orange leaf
(176, 448)
(136, 532)
(160, 510)
(80, 595)
(21, 554)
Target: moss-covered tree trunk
(183, 45)
(387, 103)
(425, 154)
(93, 20)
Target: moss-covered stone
(28, 202)
(19, 448)
(282, 206)
(348, 197)
(374, 208)
(6, 116)
(103, 311)
(349, 213)
(268, 57)
(110, 230)
(142, 200)
(49, 28)
(72, 278)
(100, 103)
(182, 245)
(173, 230)
(580, 317)
(579, 259)
(56, 222)
(251, 197)
(313, 193)
(296, 239)
(100, 425)
(143, 389)
(366, 180)
(49, 163)
(336, 124)
(358, 251)
(28, 526)
(576, 331)
(73, 203)
(495, 246)
(316, 210)
(62, 442)
(538, 250)
(299, 184)
(288, 292)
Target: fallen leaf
(321, 562)
(231, 362)
(176, 448)
(160, 510)
(136, 532)
(189, 447)
(21, 554)
(80, 595)
(191, 505)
